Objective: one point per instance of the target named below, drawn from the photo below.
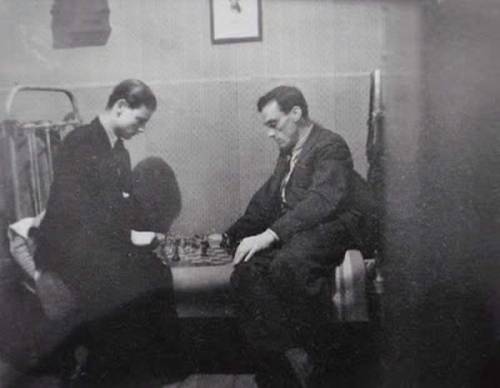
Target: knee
(282, 272)
(291, 275)
(243, 276)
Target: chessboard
(194, 251)
(214, 256)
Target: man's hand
(141, 238)
(249, 246)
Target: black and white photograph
(250, 194)
(236, 21)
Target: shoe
(81, 355)
(301, 365)
(74, 373)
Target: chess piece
(204, 247)
(175, 256)
(215, 240)
(81, 356)
(228, 244)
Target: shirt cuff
(273, 234)
(141, 238)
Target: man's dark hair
(287, 97)
(135, 92)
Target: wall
(443, 171)
(403, 102)
(207, 127)
(459, 165)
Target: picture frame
(235, 21)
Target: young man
(290, 238)
(85, 238)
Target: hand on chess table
(249, 246)
(215, 239)
(141, 238)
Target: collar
(112, 137)
(109, 133)
(300, 143)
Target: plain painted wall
(206, 126)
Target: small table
(202, 291)
(201, 283)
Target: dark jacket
(88, 201)
(85, 235)
(323, 189)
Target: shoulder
(83, 137)
(331, 145)
(78, 147)
(326, 136)
(78, 135)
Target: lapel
(283, 164)
(109, 168)
(280, 170)
(310, 143)
(99, 138)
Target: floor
(215, 381)
(213, 356)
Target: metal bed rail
(16, 131)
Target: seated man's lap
(299, 270)
(324, 245)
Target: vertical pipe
(37, 175)
(14, 172)
(34, 171)
(49, 154)
(377, 91)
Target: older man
(295, 230)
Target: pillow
(349, 296)
(22, 245)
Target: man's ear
(120, 105)
(296, 113)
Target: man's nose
(141, 129)
(271, 133)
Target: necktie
(282, 171)
(292, 161)
(122, 158)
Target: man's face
(282, 127)
(132, 121)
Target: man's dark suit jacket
(85, 234)
(87, 200)
(323, 189)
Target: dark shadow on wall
(156, 194)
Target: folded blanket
(21, 243)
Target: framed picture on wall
(233, 21)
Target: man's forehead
(271, 110)
(143, 112)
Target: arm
(260, 213)
(250, 233)
(332, 166)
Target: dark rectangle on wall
(77, 23)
